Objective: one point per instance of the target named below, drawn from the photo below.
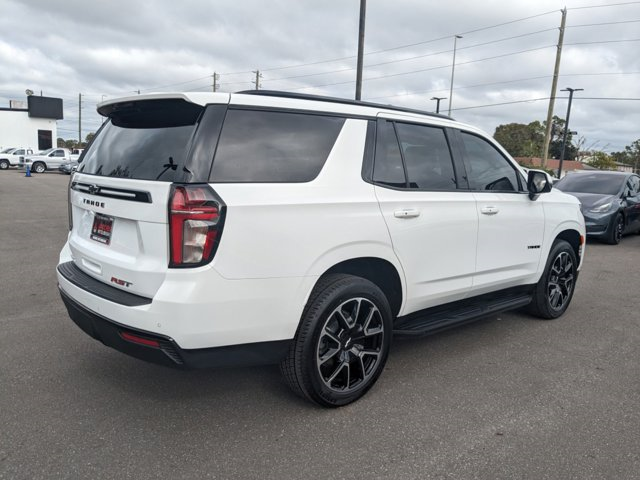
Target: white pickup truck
(49, 159)
(12, 157)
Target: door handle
(489, 210)
(407, 213)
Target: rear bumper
(163, 350)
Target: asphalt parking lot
(507, 397)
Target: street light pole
(566, 125)
(363, 11)
(437, 99)
(453, 69)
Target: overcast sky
(105, 49)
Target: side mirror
(538, 182)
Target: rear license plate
(102, 227)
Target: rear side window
(146, 140)
(266, 146)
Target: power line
(170, 85)
(414, 57)
(504, 103)
(610, 98)
(430, 68)
(546, 98)
(463, 87)
(402, 46)
(600, 24)
(605, 41)
(604, 6)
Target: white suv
(266, 227)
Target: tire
(4, 164)
(617, 228)
(553, 293)
(342, 342)
(38, 167)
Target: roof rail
(322, 98)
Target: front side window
(19, 152)
(426, 157)
(634, 185)
(487, 168)
(268, 146)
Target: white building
(30, 124)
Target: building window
(44, 140)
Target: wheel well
(381, 272)
(573, 237)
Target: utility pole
(453, 69)
(363, 12)
(437, 99)
(79, 119)
(257, 80)
(215, 78)
(554, 87)
(566, 125)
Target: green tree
(89, 137)
(521, 140)
(60, 142)
(602, 161)
(557, 135)
(633, 154)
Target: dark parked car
(610, 202)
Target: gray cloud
(115, 48)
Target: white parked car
(48, 160)
(266, 227)
(11, 157)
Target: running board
(436, 319)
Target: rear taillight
(196, 216)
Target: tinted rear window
(265, 146)
(146, 140)
(592, 183)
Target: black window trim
(521, 186)
(264, 108)
(369, 155)
(456, 163)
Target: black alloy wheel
(350, 344)
(342, 342)
(617, 229)
(554, 291)
(560, 281)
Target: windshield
(600, 183)
(144, 140)
(7, 150)
(46, 152)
